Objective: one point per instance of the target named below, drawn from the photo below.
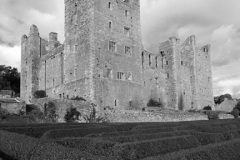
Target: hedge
(37, 132)
(229, 150)
(21, 147)
(76, 132)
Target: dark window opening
(109, 5)
(150, 62)
(110, 25)
(166, 62)
(156, 61)
(112, 46)
(168, 75)
(126, 31)
(142, 59)
(181, 62)
(115, 103)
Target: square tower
(102, 55)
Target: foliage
(9, 76)
(154, 103)
(209, 108)
(212, 115)
(235, 113)
(92, 118)
(72, 115)
(78, 99)
(40, 94)
(220, 99)
(51, 112)
(3, 112)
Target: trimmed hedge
(16, 146)
(76, 132)
(229, 150)
(145, 149)
(143, 137)
(37, 132)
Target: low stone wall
(63, 105)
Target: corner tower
(103, 51)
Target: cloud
(10, 56)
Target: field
(203, 140)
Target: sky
(214, 22)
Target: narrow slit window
(120, 76)
(156, 59)
(150, 62)
(110, 25)
(110, 5)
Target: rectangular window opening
(127, 50)
(150, 62)
(112, 46)
(120, 76)
(110, 5)
(156, 61)
(126, 31)
(110, 25)
(126, 13)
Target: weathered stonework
(103, 61)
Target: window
(156, 59)
(112, 46)
(162, 53)
(120, 76)
(110, 25)
(168, 75)
(126, 31)
(126, 13)
(166, 62)
(127, 50)
(181, 62)
(76, 48)
(110, 5)
(107, 73)
(129, 78)
(142, 59)
(150, 62)
(60, 96)
(53, 82)
(115, 102)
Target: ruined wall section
(118, 22)
(154, 77)
(204, 77)
(30, 64)
(188, 75)
(169, 51)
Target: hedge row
(37, 132)
(76, 132)
(142, 137)
(135, 150)
(21, 147)
(229, 150)
(133, 132)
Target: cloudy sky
(214, 22)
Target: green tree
(9, 78)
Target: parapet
(174, 40)
(33, 30)
(24, 38)
(53, 37)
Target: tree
(9, 79)
(220, 99)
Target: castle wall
(109, 24)
(103, 61)
(204, 77)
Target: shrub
(154, 103)
(92, 118)
(72, 115)
(212, 115)
(51, 114)
(40, 94)
(209, 108)
(78, 99)
(235, 113)
(3, 112)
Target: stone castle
(103, 60)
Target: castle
(103, 60)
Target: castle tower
(30, 58)
(103, 51)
